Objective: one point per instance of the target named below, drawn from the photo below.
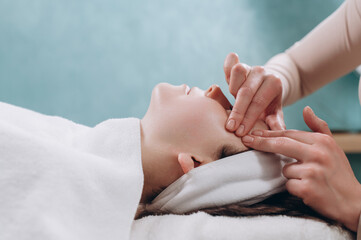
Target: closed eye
(196, 163)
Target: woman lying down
(62, 180)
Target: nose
(216, 93)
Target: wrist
(283, 66)
(352, 216)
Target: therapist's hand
(322, 177)
(258, 96)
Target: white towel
(203, 226)
(61, 180)
(248, 177)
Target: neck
(159, 161)
(155, 167)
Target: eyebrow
(226, 150)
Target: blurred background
(92, 60)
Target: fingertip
(247, 140)
(247, 131)
(309, 110)
(231, 59)
(232, 55)
(240, 131)
(231, 124)
(240, 70)
(257, 133)
(247, 67)
(246, 126)
(229, 62)
(307, 113)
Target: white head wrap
(247, 177)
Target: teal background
(97, 59)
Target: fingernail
(257, 133)
(247, 139)
(240, 130)
(230, 124)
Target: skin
(322, 177)
(258, 95)
(180, 132)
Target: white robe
(62, 180)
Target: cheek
(199, 125)
(187, 121)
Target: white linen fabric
(203, 226)
(247, 177)
(62, 180)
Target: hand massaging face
(189, 128)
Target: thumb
(315, 123)
(275, 122)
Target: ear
(188, 162)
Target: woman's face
(193, 121)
